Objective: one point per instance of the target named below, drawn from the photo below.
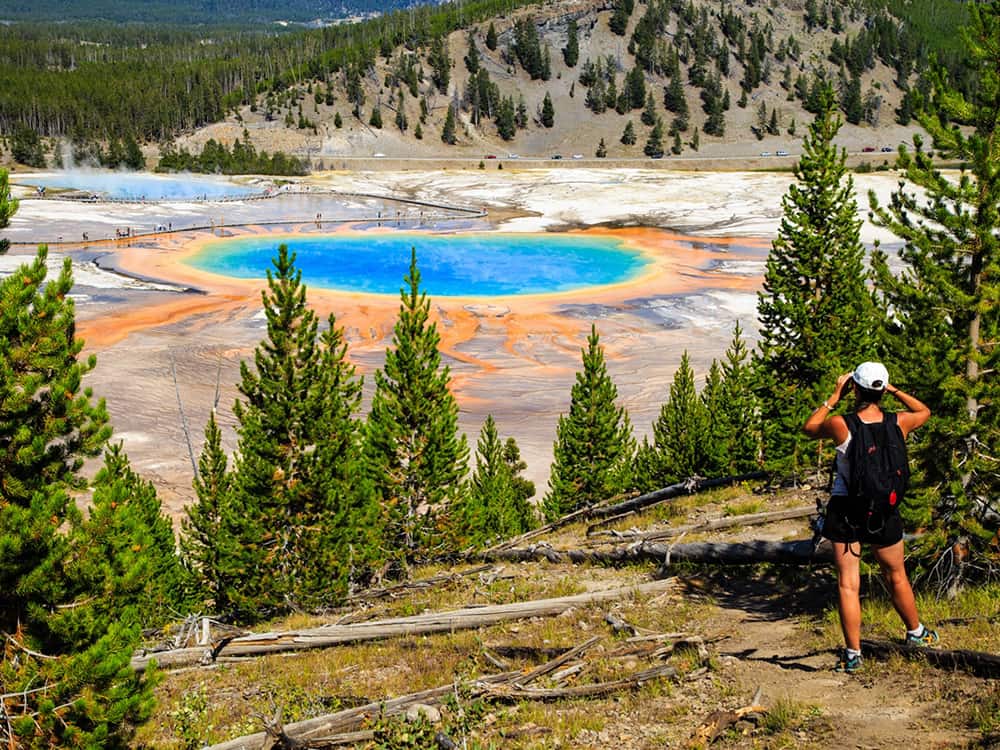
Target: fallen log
(979, 663)
(800, 552)
(750, 519)
(256, 644)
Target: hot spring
(452, 265)
(136, 185)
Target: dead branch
(386, 592)
(554, 664)
(256, 644)
(717, 722)
(687, 487)
(514, 693)
(751, 519)
(979, 663)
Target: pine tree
(635, 89)
(295, 475)
(649, 115)
(628, 135)
(715, 445)
(571, 52)
(48, 422)
(440, 63)
(448, 131)
(414, 455)
(376, 118)
(941, 338)
(53, 606)
(8, 207)
(594, 443)
(548, 112)
(619, 17)
(338, 121)
(418, 132)
(679, 431)
(602, 150)
(401, 122)
(505, 120)
(740, 409)
(496, 506)
(816, 315)
(126, 551)
(677, 146)
(491, 38)
(206, 538)
(654, 144)
(472, 56)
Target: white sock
(918, 632)
(851, 653)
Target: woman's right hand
(842, 387)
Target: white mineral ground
(707, 235)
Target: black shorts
(847, 521)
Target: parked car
(513, 156)
(781, 152)
(379, 155)
(557, 156)
(887, 149)
(577, 156)
(656, 155)
(491, 156)
(765, 153)
(868, 149)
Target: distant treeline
(216, 158)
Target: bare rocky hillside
(300, 120)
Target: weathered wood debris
(342, 727)
(256, 644)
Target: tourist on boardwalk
(855, 514)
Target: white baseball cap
(871, 375)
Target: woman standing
(847, 523)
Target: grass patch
(745, 508)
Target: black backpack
(880, 470)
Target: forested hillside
(664, 76)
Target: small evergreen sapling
(594, 444)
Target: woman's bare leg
(846, 557)
(890, 559)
